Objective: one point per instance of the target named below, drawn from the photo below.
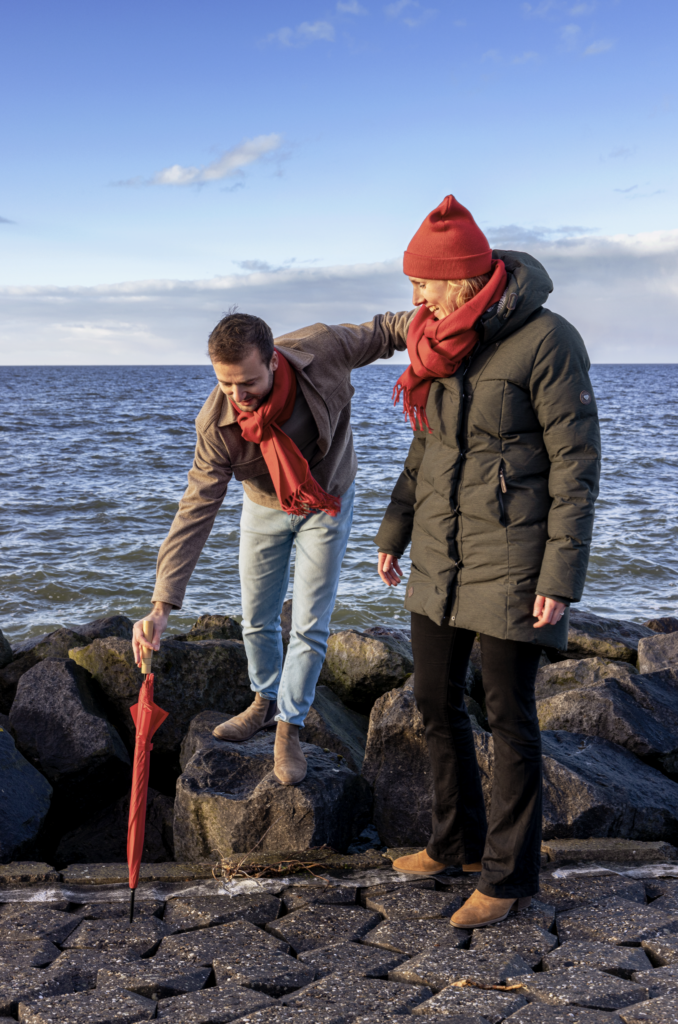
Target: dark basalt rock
(539, 1013)
(60, 726)
(662, 950)
(360, 667)
(227, 1002)
(25, 797)
(658, 652)
(332, 726)
(28, 653)
(573, 674)
(665, 624)
(313, 927)
(351, 958)
(31, 985)
(213, 627)
(186, 913)
(263, 970)
(228, 799)
(190, 677)
(6, 654)
(100, 911)
(639, 713)
(661, 981)
(602, 956)
(295, 897)
(298, 1015)
(593, 635)
(108, 625)
(103, 836)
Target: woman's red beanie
(448, 245)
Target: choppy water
(94, 459)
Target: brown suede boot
(260, 715)
(418, 864)
(469, 869)
(289, 764)
(480, 910)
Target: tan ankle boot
(480, 910)
(289, 762)
(418, 864)
(260, 715)
(469, 869)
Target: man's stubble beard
(260, 401)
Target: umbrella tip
(131, 906)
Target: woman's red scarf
(298, 493)
(437, 348)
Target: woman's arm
(395, 531)
(566, 408)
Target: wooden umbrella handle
(146, 653)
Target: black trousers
(509, 845)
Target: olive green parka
(498, 498)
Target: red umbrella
(148, 717)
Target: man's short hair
(234, 337)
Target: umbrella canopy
(148, 717)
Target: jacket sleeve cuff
(167, 597)
(563, 600)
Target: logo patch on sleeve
(585, 397)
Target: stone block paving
(616, 920)
(320, 926)
(352, 958)
(590, 950)
(619, 960)
(662, 950)
(580, 986)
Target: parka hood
(531, 286)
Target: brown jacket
(322, 358)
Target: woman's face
(438, 296)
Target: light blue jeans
(266, 539)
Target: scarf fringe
(416, 414)
(310, 497)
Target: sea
(93, 461)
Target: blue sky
(149, 142)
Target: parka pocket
(502, 491)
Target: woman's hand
(389, 570)
(547, 611)
(158, 617)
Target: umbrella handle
(146, 653)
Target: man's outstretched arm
(357, 344)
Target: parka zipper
(502, 491)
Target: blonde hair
(463, 289)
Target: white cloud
(526, 58)
(581, 9)
(350, 7)
(602, 46)
(230, 163)
(570, 34)
(414, 19)
(621, 292)
(305, 33)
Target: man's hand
(158, 617)
(389, 570)
(547, 611)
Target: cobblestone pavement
(598, 948)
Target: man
(280, 420)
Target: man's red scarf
(298, 493)
(437, 348)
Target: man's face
(248, 382)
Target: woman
(497, 499)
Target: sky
(163, 161)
